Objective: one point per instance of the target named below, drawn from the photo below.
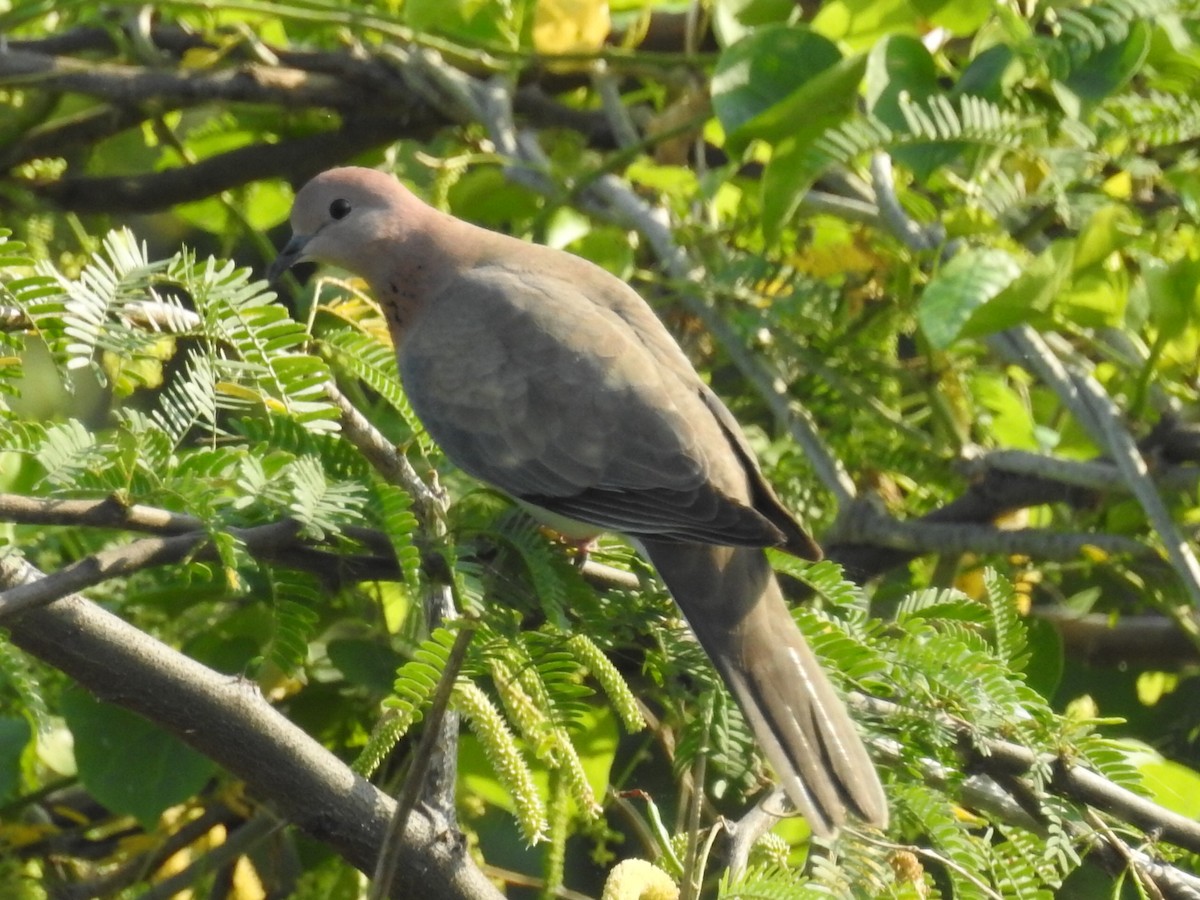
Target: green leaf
(984, 75)
(1104, 73)
(1173, 785)
(734, 19)
(1046, 658)
(1030, 297)
(1095, 298)
(762, 71)
(484, 196)
(1174, 292)
(1003, 414)
(129, 765)
(394, 507)
(901, 71)
(1108, 230)
(368, 663)
(956, 16)
(959, 288)
(860, 23)
(15, 735)
(798, 122)
(479, 22)
(826, 99)
(898, 64)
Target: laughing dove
(549, 378)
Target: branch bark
(296, 160)
(229, 721)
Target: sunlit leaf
(128, 764)
(570, 26)
(763, 71)
(959, 288)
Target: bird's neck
(415, 265)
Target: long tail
(734, 605)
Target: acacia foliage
(931, 239)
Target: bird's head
(337, 218)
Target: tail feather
(734, 605)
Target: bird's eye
(339, 209)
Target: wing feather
(556, 398)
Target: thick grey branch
(998, 758)
(131, 85)
(297, 159)
(228, 720)
(864, 524)
(1145, 641)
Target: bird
(552, 380)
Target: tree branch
(229, 721)
(180, 536)
(1135, 641)
(389, 462)
(125, 85)
(144, 865)
(296, 160)
(998, 761)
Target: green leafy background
(877, 194)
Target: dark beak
(292, 253)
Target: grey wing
(532, 388)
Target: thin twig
(618, 116)
(437, 602)
(386, 459)
(144, 865)
(939, 858)
(116, 562)
(894, 218)
(1145, 882)
(239, 842)
(693, 866)
(389, 859)
(849, 208)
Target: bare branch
(425, 758)
(144, 865)
(892, 214)
(1145, 641)
(238, 842)
(230, 722)
(107, 513)
(387, 460)
(863, 523)
(131, 85)
(297, 160)
(95, 569)
(115, 562)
